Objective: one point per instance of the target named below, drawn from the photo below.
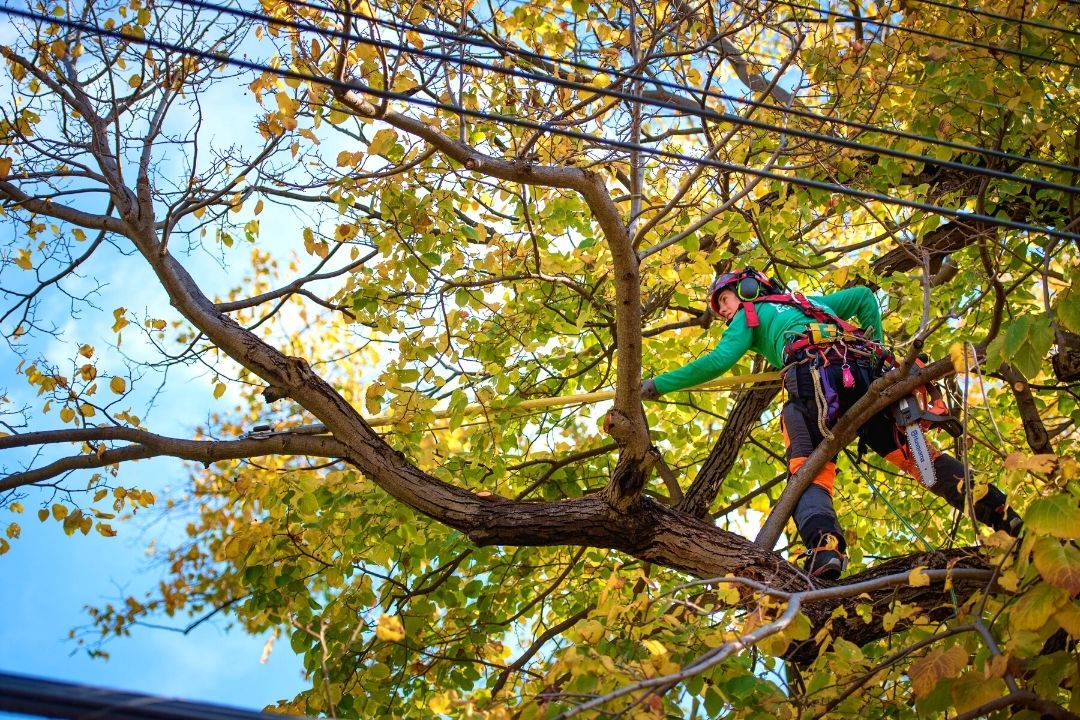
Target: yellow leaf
(918, 577)
(16, 507)
(286, 104)
(383, 141)
(4, 546)
(87, 410)
(1009, 580)
(5, 167)
(88, 372)
(78, 234)
(655, 647)
(1069, 618)
(199, 212)
(219, 390)
(121, 321)
(1036, 607)
(24, 260)
(59, 512)
(42, 514)
(440, 704)
(997, 666)
(591, 631)
(259, 207)
(118, 385)
(961, 357)
(105, 529)
(13, 530)
(973, 690)
(1058, 563)
(938, 664)
(86, 351)
(389, 628)
(1032, 463)
(1057, 515)
(134, 81)
(66, 414)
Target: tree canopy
(436, 218)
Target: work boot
(826, 561)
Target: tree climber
(827, 365)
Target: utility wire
(926, 33)
(997, 16)
(532, 125)
(702, 112)
(622, 74)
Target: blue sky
(47, 578)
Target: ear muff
(748, 288)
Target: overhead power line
(997, 16)
(572, 134)
(927, 33)
(702, 112)
(625, 75)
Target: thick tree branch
(17, 197)
(745, 415)
(148, 445)
(629, 476)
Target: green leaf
(714, 702)
(1058, 564)
(1037, 606)
(307, 504)
(1027, 341)
(973, 690)
(1057, 515)
(1068, 308)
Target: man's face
(729, 304)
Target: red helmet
(747, 284)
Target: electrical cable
(997, 16)
(704, 113)
(518, 122)
(926, 33)
(527, 54)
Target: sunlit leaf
(937, 665)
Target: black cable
(518, 122)
(926, 33)
(455, 37)
(996, 16)
(704, 113)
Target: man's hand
(648, 390)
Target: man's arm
(733, 345)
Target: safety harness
(829, 339)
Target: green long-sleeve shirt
(779, 323)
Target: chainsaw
(914, 416)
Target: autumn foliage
(431, 219)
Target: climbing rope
(855, 463)
(822, 406)
(724, 383)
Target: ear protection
(747, 288)
(748, 285)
